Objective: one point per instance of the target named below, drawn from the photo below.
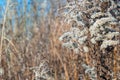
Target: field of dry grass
(42, 57)
(23, 59)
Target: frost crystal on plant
(107, 43)
(90, 71)
(86, 49)
(41, 71)
(93, 23)
(110, 35)
(99, 14)
(82, 39)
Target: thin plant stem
(3, 28)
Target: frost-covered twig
(98, 25)
(41, 71)
(90, 71)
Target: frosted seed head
(86, 49)
(107, 43)
(93, 40)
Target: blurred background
(26, 13)
(29, 33)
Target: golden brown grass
(19, 55)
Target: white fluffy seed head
(107, 43)
(110, 35)
(86, 49)
(99, 14)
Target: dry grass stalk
(115, 64)
(3, 29)
(76, 77)
(66, 73)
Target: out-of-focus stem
(3, 28)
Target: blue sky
(2, 2)
(21, 4)
(20, 10)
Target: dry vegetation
(43, 57)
